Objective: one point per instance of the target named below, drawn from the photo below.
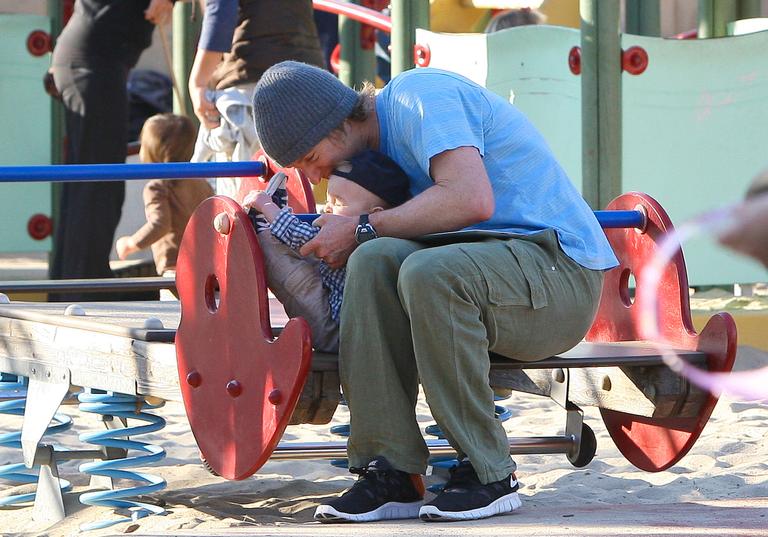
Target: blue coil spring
(18, 473)
(127, 407)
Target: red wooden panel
(654, 444)
(239, 386)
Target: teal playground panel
(695, 134)
(25, 135)
(694, 122)
(528, 67)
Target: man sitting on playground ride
(414, 312)
(306, 287)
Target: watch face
(364, 233)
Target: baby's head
(368, 182)
(167, 138)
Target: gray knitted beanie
(296, 105)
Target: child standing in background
(168, 203)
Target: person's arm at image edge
(748, 232)
(159, 11)
(219, 21)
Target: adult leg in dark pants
(95, 99)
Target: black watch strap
(365, 230)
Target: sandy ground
(719, 488)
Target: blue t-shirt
(424, 112)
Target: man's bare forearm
(462, 196)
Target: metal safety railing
(122, 172)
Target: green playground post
(356, 64)
(643, 17)
(185, 33)
(714, 16)
(601, 101)
(407, 15)
(749, 9)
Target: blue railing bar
(607, 219)
(119, 172)
(308, 218)
(621, 219)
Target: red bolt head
(275, 397)
(422, 55)
(634, 60)
(574, 60)
(39, 226)
(194, 379)
(39, 43)
(234, 388)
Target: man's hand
(335, 242)
(159, 11)
(204, 109)
(203, 68)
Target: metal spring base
(124, 407)
(13, 402)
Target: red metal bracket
(634, 60)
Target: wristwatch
(364, 231)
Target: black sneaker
(380, 493)
(464, 497)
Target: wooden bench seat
(621, 376)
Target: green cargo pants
(413, 313)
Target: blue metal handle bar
(308, 218)
(119, 172)
(619, 219)
(607, 219)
